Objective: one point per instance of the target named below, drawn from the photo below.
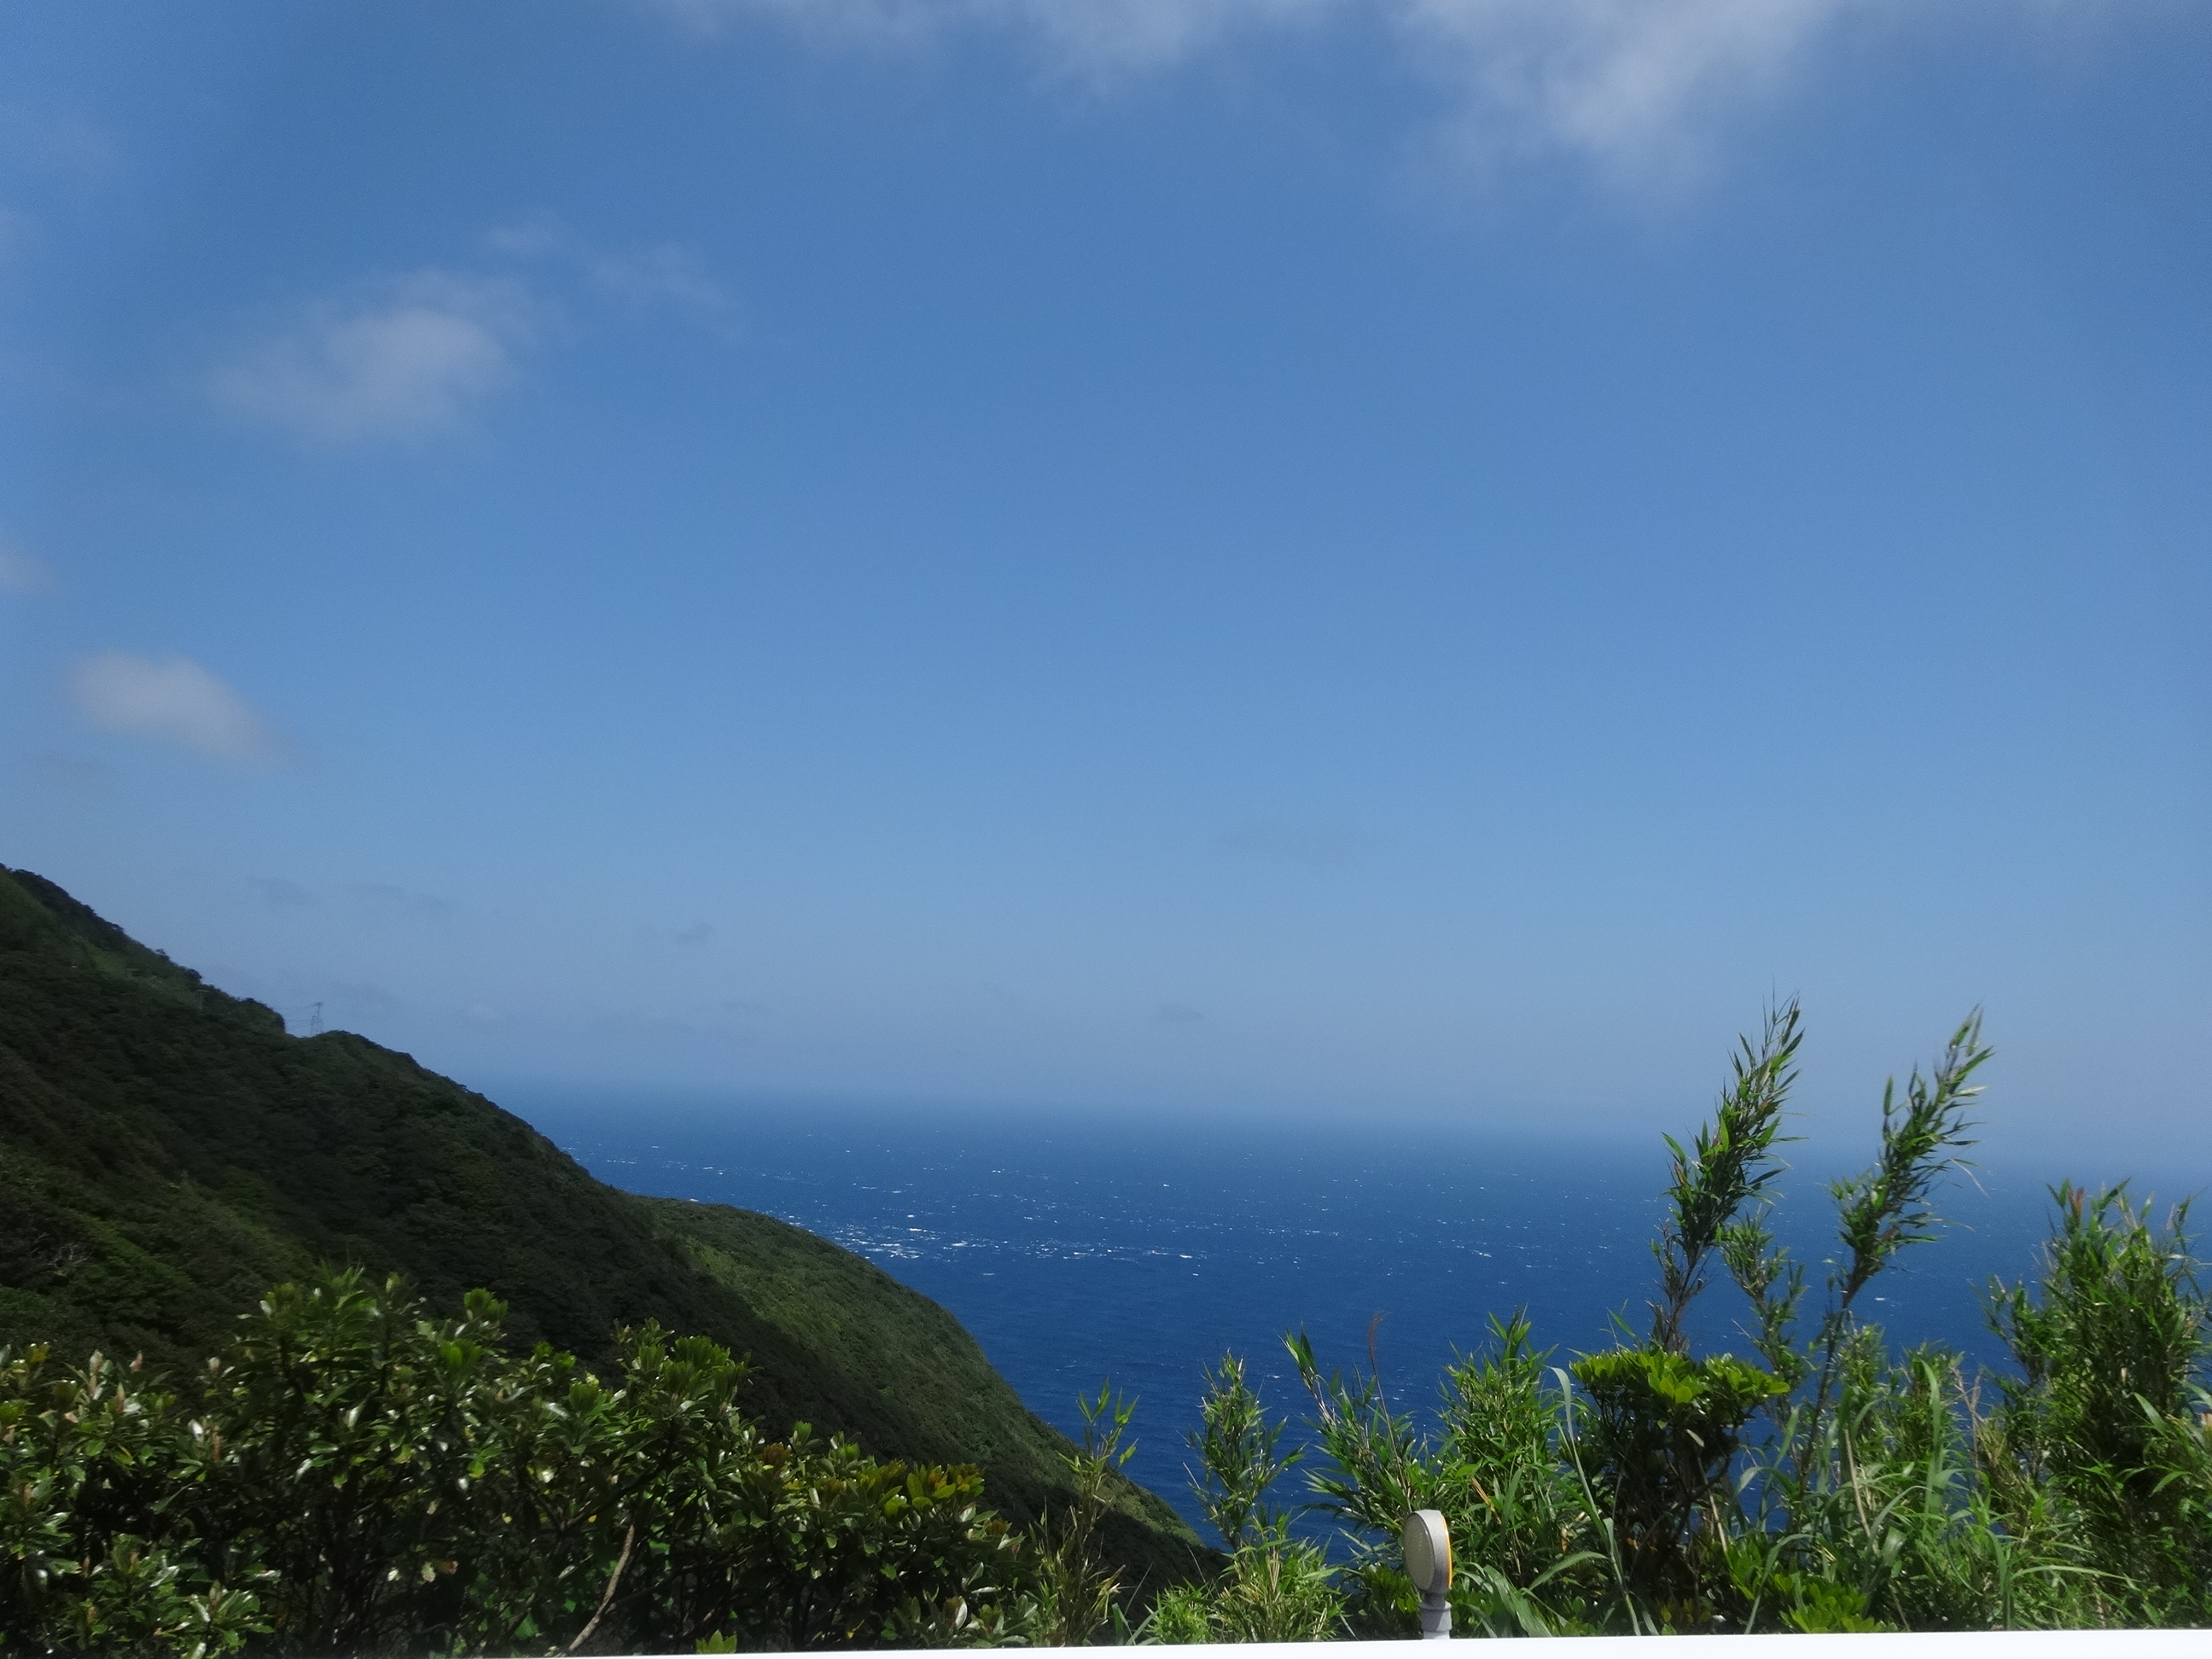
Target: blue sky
(1363, 554)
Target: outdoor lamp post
(1428, 1564)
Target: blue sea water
(1079, 1252)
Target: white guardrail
(1906, 1645)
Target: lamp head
(1428, 1552)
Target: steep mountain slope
(167, 1152)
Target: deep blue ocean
(1080, 1252)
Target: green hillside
(167, 1152)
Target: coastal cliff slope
(168, 1151)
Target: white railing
(1907, 1644)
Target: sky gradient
(1194, 554)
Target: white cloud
(20, 573)
(1634, 86)
(413, 361)
(173, 699)
(1631, 84)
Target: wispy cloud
(661, 274)
(173, 699)
(1634, 86)
(20, 573)
(1179, 1013)
(419, 357)
(666, 274)
(388, 897)
(414, 360)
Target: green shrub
(1511, 1493)
(1663, 1433)
(2111, 1347)
(98, 1470)
(1273, 1587)
(356, 1478)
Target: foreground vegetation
(1824, 1483)
(349, 1476)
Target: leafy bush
(354, 1477)
(98, 1470)
(1665, 1430)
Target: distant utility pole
(315, 1020)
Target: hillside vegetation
(167, 1152)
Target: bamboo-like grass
(1822, 1483)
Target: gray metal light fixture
(1428, 1564)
